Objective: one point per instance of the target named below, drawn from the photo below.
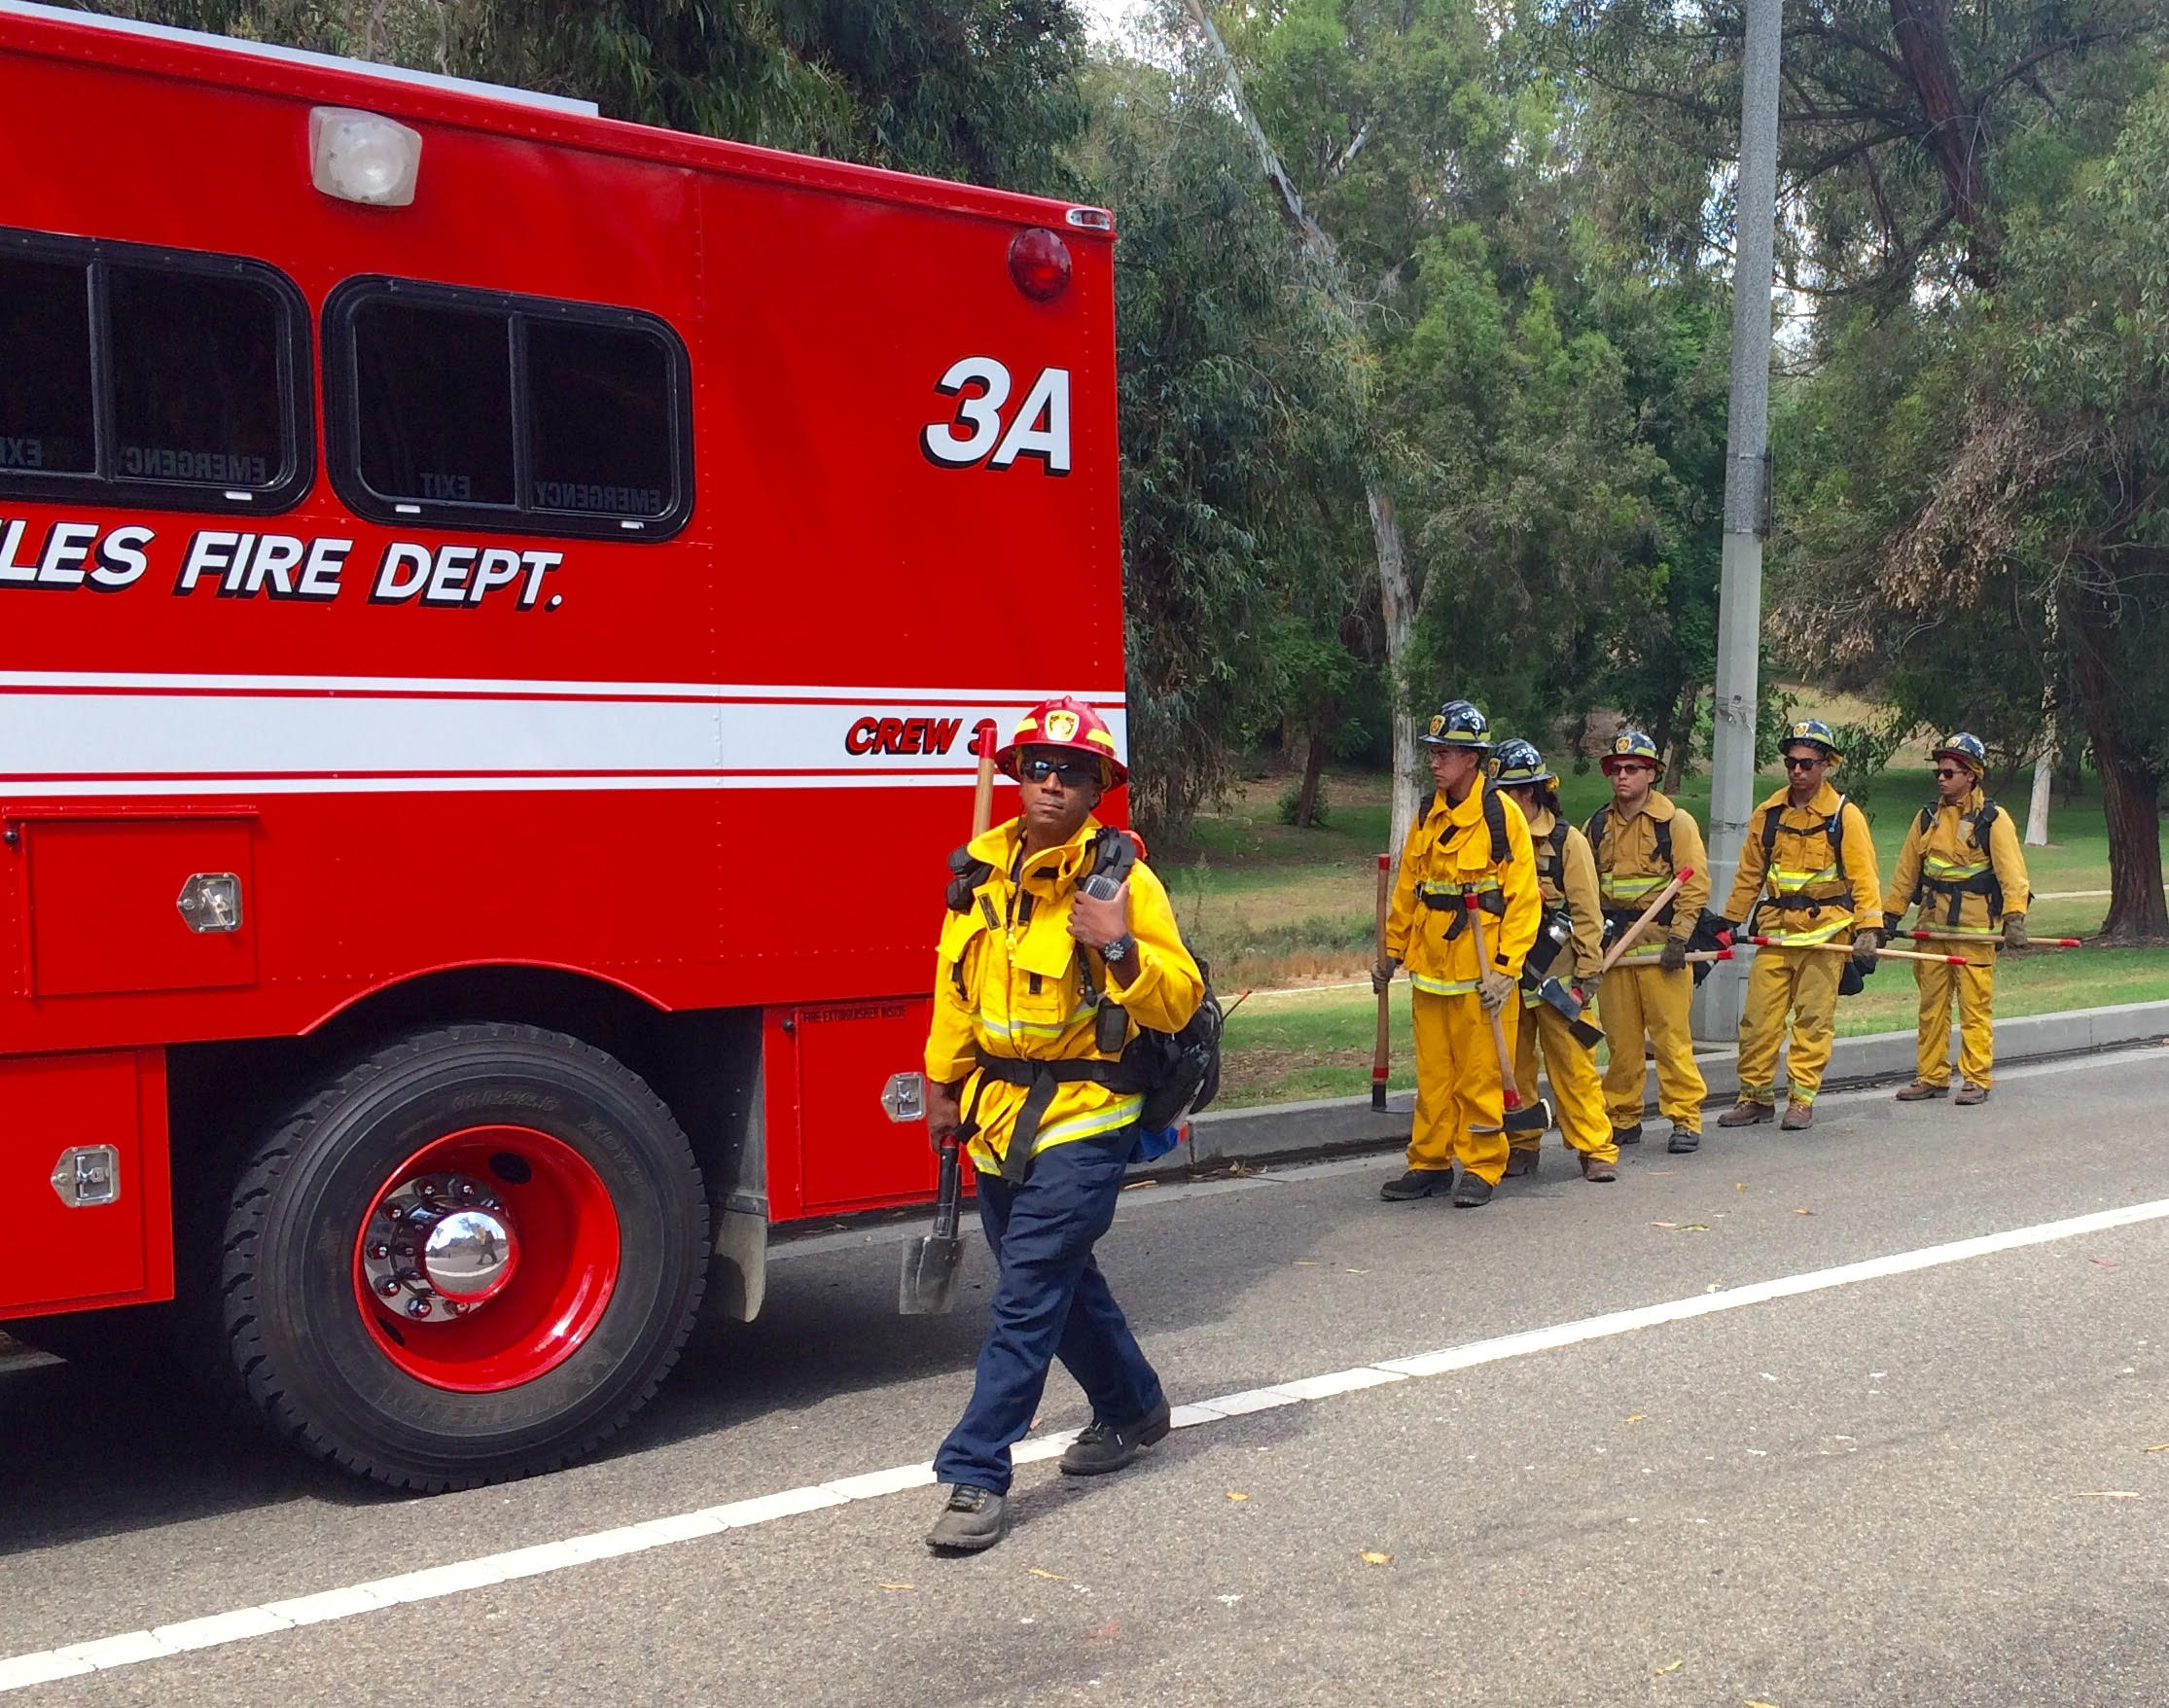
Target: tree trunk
(1399, 605)
(1678, 736)
(2131, 801)
(2045, 773)
(1956, 139)
(1314, 766)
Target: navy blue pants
(1050, 1303)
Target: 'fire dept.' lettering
(238, 563)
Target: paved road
(1924, 1487)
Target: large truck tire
(471, 1257)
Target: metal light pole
(1739, 611)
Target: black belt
(1493, 902)
(1043, 1080)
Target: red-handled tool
(1382, 1052)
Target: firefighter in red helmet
(1030, 971)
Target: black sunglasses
(1075, 773)
(1793, 763)
(1946, 774)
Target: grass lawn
(1275, 909)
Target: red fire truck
(496, 605)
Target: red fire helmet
(1065, 722)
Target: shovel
(933, 1260)
(1521, 1118)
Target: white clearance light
(363, 157)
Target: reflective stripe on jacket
(1016, 988)
(1448, 849)
(1811, 893)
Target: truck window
(498, 412)
(147, 376)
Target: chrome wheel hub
(437, 1247)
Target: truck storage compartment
(827, 1063)
(85, 1205)
(122, 905)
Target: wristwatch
(1121, 949)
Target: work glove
(1381, 976)
(2014, 931)
(1864, 945)
(1493, 989)
(1673, 956)
(1585, 988)
(1712, 923)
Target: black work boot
(1106, 1447)
(1472, 1191)
(975, 1518)
(1522, 1160)
(1417, 1183)
(1628, 1135)
(1683, 1140)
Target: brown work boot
(1522, 1160)
(1799, 1116)
(1592, 1168)
(1746, 1113)
(1971, 1095)
(1920, 1091)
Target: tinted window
(45, 377)
(598, 410)
(195, 377)
(434, 390)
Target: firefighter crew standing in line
(1809, 865)
(1567, 884)
(1640, 842)
(1963, 863)
(1473, 842)
(1009, 1064)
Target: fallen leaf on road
(2110, 1494)
(1377, 1559)
(1234, 1494)
(1051, 1577)
(2159, 1447)
(1803, 1212)
(1669, 1666)
(1739, 1186)
(1306, 1262)
(1715, 1287)
(1751, 1702)
(1664, 1224)
(1108, 1632)
(2104, 1263)
(1348, 1271)
(893, 1585)
(1139, 1184)
(1694, 1227)
(1636, 1417)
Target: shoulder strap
(1113, 854)
(1559, 828)
(1984, 821)
(1600, 821)
(1495, 821)
(1927, 817)
(1835, 829)
(1661, 829)
(1769, 827)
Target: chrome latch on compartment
(903, 1097)
(86, 1176)
(211, 901)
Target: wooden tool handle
(1511, 1093)
(982, 796)
(1655, 906)
(1382, 1055)
(1846, 948)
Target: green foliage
(1289, 805)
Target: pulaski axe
(933, 1260)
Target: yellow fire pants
(1459, 1099)
(1976, 988)
(1799, 984)
(1572, 1068)
(1648, 1001)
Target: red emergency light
(1039, 264)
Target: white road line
(242, 1624)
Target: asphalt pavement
(1941, 1484)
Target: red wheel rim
(568, 1259)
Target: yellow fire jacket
(1814, 888)
(1009, 980)
(1630, 869)
(1950, 868)
(1449, 850)
(1571, 887)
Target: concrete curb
(1328, 1125)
